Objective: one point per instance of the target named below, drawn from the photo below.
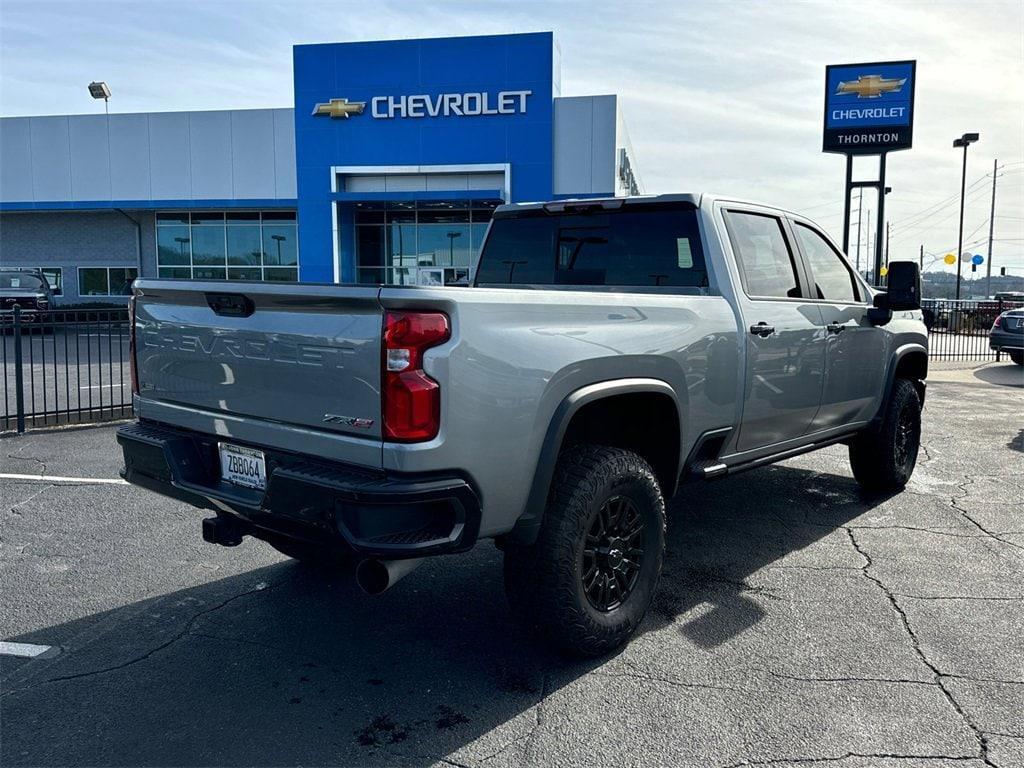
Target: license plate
(243, 466)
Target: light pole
(278, 239)
(451, 247)
(181, 246)
(964, 141)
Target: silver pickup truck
(609, 353)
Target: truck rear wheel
(587, 581)
(883, 459)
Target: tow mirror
(904, 286)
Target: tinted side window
(832, 280)
(659, 247)
(764, 258)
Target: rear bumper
(373, 514)
(1005, 340)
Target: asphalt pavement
(797, 623)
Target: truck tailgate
(303, 356)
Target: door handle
(835, 327)
(762, 329)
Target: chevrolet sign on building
(869, 108)
(387, 170)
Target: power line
(909, 229)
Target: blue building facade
(386, 170)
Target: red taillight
(131, 345)
(998, 321)
(411, 400)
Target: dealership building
(386, 171)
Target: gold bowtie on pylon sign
(871, 86)
(339, 108)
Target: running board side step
(712, 471)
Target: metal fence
(958, 330)
(64, 367)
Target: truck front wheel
(587, 581)
(883, 459)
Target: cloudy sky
(718, 96)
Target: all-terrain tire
(593, 487)
(883, 459)
(1017, 356)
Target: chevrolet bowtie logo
(871, 86)
(339, 108)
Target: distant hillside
(942, 285)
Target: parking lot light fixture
(100, 90)
(964, 141)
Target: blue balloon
(978, 259)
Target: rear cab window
(638, 245)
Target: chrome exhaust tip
(375, 577)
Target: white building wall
(591, 147)
(236, 154)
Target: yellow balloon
(950, 258)
(883, 271)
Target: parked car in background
(610, 353)
(1007, 334)
(27, 289)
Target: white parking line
(56, 479)
(25, 650)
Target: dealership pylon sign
(869, 110)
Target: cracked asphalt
(797, 623)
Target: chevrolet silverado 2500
(609, 353)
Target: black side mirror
(904, 286)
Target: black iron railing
(64, 367)
(958, 330)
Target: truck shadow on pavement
(288, 666)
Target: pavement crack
(892, 681)
(954, 503)
(185, 631)
(638, 675)
(915, 642)
(37, 494)
(1011, 599)
(16, 457)
(847, 756)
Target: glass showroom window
(236, 245)
(420, 243)
(55, 277)
(106, 281)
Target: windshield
(20, 281)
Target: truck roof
(696, 199)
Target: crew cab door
(785, 345)
(855, 348)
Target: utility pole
(860, 207)
(868, 254)
(991, 227)
(920, 256)
(887, 244)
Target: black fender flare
(890, 376)
(528, 525)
